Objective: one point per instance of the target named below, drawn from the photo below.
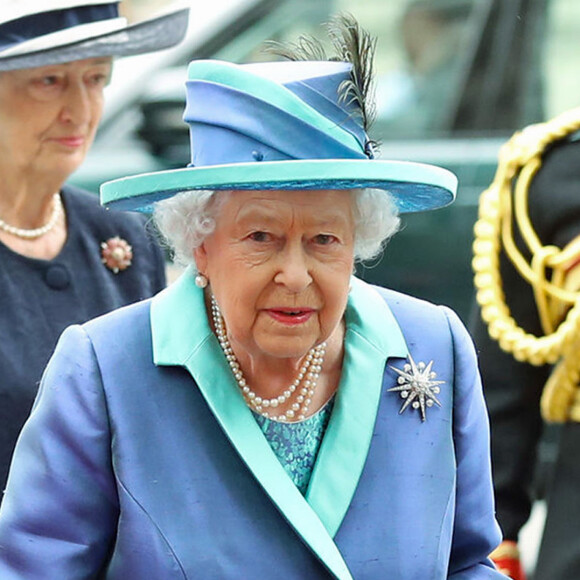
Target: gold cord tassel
(558, 306)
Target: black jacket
(40, 298)
(513, 389)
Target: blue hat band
(341, 116)
(240, 128)
(23, 29)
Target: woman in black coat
(63, 258)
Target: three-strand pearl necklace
(301, 390)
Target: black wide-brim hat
(46, 32)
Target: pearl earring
(201, 281)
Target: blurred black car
(454, 79)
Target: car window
(424, 49)
(560, 62)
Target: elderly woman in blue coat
(268, 414)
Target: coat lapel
(182, 337)
(372, 337)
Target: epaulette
(503, 207)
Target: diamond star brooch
(417, 385)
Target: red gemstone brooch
(116, 254)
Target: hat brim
(414, 186)
(147, 36)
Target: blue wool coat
(141, 460)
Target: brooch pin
(417, 386)
(116, 254)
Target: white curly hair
(187, 218)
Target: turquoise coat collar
(182, 337)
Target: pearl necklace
(36, 232)
(307, 377)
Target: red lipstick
(291, 316)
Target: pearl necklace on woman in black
(30, 234)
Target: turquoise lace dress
(296, 445)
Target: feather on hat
(299, 124)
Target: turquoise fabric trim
(233, 76)
(296, 444)
(182, 336)
(372, 336)
(414, 186)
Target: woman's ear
(200, 257)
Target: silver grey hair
(376, 220)
(185, 220)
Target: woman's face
(49, 115)
(279, 265)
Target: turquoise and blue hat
(283, 126)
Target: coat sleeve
(476, 532)
(60, 508)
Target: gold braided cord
(506, 549)
(519, 161)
